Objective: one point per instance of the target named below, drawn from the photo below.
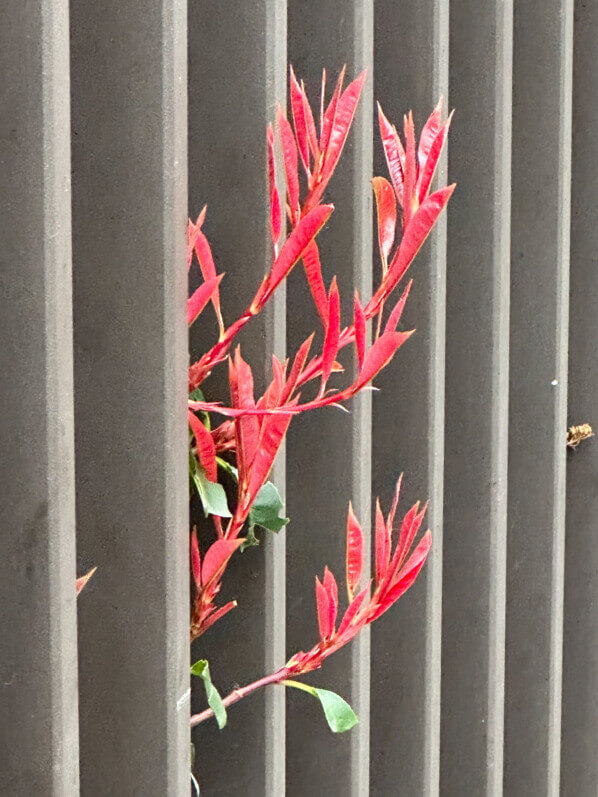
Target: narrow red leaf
(323, 606)
(216, 558)
(380, 355)
(313, 272)
(207, 266)
(410, 172)
(294, 247)
(429, 168)
(275, 210)
(289, 151)
(333, 330)
(332, 590)
(353, 610)
(387, 215)
(395, 503)
(394, 152)
(343, 118)
(360, 330)
(199, 299)
(273, 430)
(409, 572)
(382, 545)
(397, 311)
(328, 116)
(195, 559)
(409, 528)
(299, 120)
(355, 553)
(205, 446)
(311, 126)
(218, 614)
(297, 368)
(428, 134)
(413, 238)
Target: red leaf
(408, 574)
(205, 446)
(274, 428)
(428, 134)
(323, 605)
(216, 558)
(382, 545)
(332, 591)
(313, 272)
(380, 355)
(195, 559)
(275, 211)
(355, 552)
(311, 127)
(409, 198)
(360, 331)
(427, 172)
(294, 247)
(333, 331)
(353, 610)
(206, 264)
(298, 365)
(327, 117)
(394, 152)
(391, 515)
(413, 238)
(197, 302)
(343, 118)
(218, 614)
(289, 151)
(397, 311)
(247, 429)
(409, 528)
(387, 215)
(299, 120)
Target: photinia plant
(237, 441)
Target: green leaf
(213, 497)
(201, 669)
(339, 714)
(266, 508)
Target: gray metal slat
(129, 210)
(328, 455)
(540, 218)
(476, 409)
(237, 75)
(411, 71)
(38, 673)
(579, 762)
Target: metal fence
(484, 680)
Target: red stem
(239, 694)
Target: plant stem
(239, 694)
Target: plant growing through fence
(242, 445)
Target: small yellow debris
(576, 434)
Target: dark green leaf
(339, 714)
(201, 669)
(266, 508)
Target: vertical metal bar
(411, 71)
(579, 768)
(38, 673)
(477, 392)
(321, 480)
(130, 209)
(237, 75)
(540, 218)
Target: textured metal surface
(38, 669)
(411, 72)
(237, 75)
(542, 61)
(329, 452)
(129, 221)
(477, 393)
(579, 770)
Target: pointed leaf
(323, 607)
(327, 117)
(428, 134)
(195, 559)
(197, 302)
(201, 669)
(219, 613)
(409, 171)
(360, 331)
(299, 120)
(275, 210)
(409, 572)
(333, 331)
(355, 552)
(216, 559)
(387, 215)
(397, 311)
(274, 428)
(353, 611)
(207, 266)
(343, 118)
(313, 272)
(394, 152)
(380, 355)
(265, 510)
(289, 151)
(339, 714)
(212, 495)
(382, 545)
(205, 446)
(332, 591)
(82, 580)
